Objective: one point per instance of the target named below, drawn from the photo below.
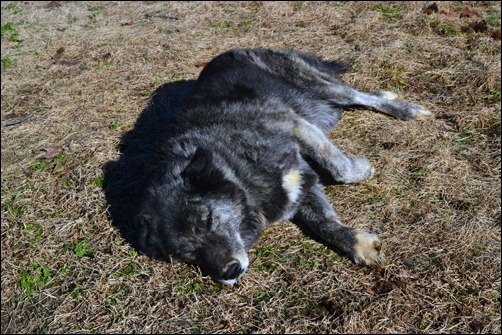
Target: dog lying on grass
(248, 150)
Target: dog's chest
(292, 184)
(292, 187)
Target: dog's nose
(233, 270)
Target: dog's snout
(232, 270)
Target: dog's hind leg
(382, 101)
(342, 168)
(317, 219)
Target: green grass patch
(492, 18)
(39, 108)
(314, 247)
(54, 164)
(337, 258)
(390, 14)
(447, 31)
(57, 162)
(189, 286)
(7, 62)
(65, 183)
(58, 159)
(15, 209)
(297, 4)
(394, 77)
(6, 180)
(10, 31)
(12, 199)
(129, 270)
(224, 25)
(98, 181)
(266, 251)
(441, 28)
(38, 166)
(134, 253)
(34, 279)
(109, 62)
(493, 95)
(114, 125)
(94, 11)
(270, 256)
(34, 230)
(10, 203)
(263, 296)
(71, 18)
(83, 249)
(76, 291)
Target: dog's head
(201, 217)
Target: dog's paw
(360, 170)
(368, 250)
(424, 114)
(418, 112)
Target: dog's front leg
(316, 217)
(316, 145)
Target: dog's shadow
(123, 178)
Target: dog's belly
(321, 114)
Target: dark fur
(245, 150)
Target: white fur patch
(230, 282)
(388, 95)
(291, 182)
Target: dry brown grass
(435, 199)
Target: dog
(249, 149)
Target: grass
(224, 25)
(94, 12)
(492, 18)
(10, 31)
(7, 62)
(390, 14)
(83, 249)
(34, 230)
(35, 278)
(434, 199)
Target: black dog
(246, 151)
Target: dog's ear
(201, 169)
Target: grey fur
(247, 150)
